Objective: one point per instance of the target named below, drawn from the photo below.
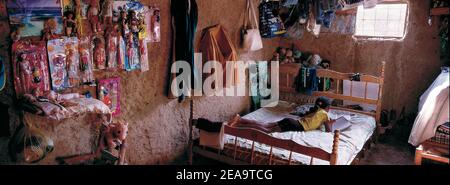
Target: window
(384, 20)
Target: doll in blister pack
(112, 47)
(70, 25)
(25, 72)
(93, 16)
(71, 68)
(30, 67)
(72, 61)
(99, 54)
(155, 25)
(107, 11)
(86, 65)
(130, 53)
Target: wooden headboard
(289, 72)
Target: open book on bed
(340, 124)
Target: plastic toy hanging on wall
(153, 21)
(112, 47)
(99, 53)
(57, 62)
(109, 93)
(30, 68)
(131, 17)
(86, 64)
(72, 61)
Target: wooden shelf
(440, 11)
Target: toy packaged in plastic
(153, 19)
(58, 65)
(99, 53)
(132, 61)
(30, 68)
(144, 56)
(112, 47)
(122, 49)
(86, 64)
(72, 61)
(109, 93)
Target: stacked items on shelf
(442, 134)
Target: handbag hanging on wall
(251, 37)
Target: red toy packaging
(109, 93)
(30, 68)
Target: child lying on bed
(312, 121)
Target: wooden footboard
(288, 73)
(260, 137)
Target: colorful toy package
(30, 68)
(132, 55)
(109, 93)
(58, 66)
(122, 53)
(132, 20)
(86, 64)
(112, 46)
(153, 19)
(72, 61)
(99, 52)
(144, 56)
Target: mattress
(351, 141)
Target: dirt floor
(391, 149)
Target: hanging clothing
(306, 81)
(324, 84)
(433, 110)
(216, 45)
(184, 26)
(325, 12)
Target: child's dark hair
(322, 102)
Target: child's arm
(329, 124)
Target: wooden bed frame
(288, 73)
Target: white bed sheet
(351, 140)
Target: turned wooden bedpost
(380, 99)
(418, 156)
(334, 153)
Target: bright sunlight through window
(384, 20)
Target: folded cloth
(444, 128)
(214, 139)
(209, 126)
